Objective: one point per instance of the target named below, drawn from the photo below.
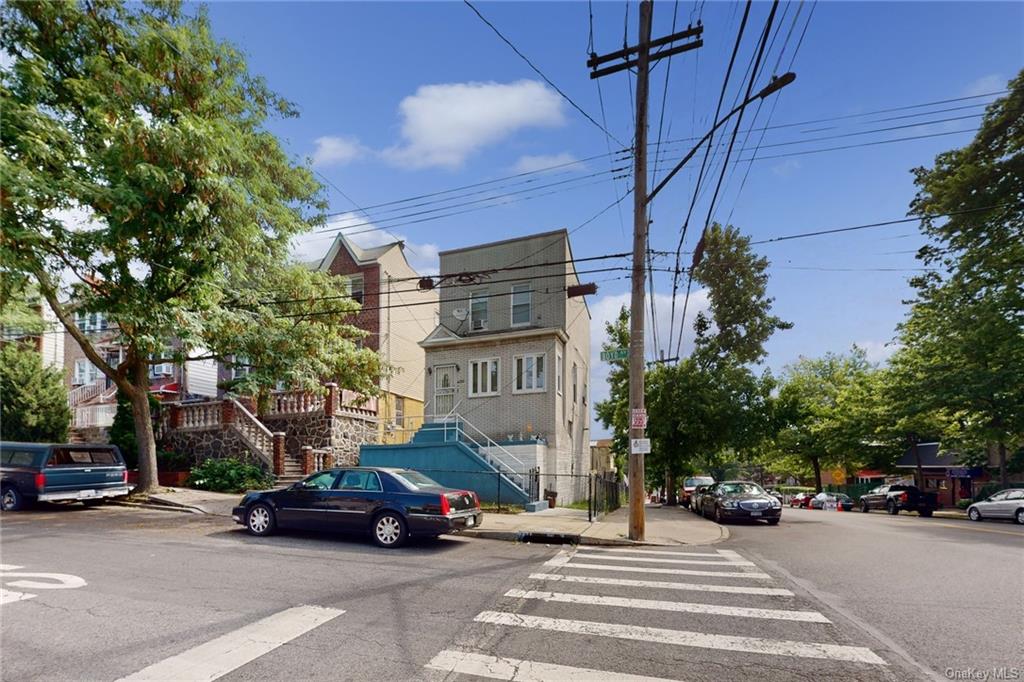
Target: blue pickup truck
(49, 472)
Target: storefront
(944, 475)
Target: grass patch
(492, 508)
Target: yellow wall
(402, 433)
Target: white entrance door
(444, 390)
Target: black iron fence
(604, 495)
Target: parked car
(774, 493)
(390, 504)
(821, 500)
(1005, 504)
(801, 500)
(696, 499)
(59, 472)
(731, 500)
(690, 486)
(898, 497)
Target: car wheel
(864, 507)
(1019, 516)
(892, 508)
(773, 522)
(925, 513)
(260, 520)
(973, 514)
(11, 499)
(389, 530)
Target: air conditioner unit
(460, 314)
(163, 369)
(479, 325)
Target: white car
(1005, 504)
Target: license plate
(753, 513)
(86, 493)
(470, 521)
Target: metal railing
(80, 394)
(257, 436)
(95, 415)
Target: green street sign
(617, 354)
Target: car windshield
(698, 480)
(741, 489)
(414, 480)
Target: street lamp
(776, 84)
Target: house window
(355, 288)
(400, 411)
(521, 304)
(483, 377)
(558, 372)
(85, 372)
(530, 374)
(240, 367)
(90, 322)
(478, 311)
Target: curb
(157, 507)
(554, 537)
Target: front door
(444, 390)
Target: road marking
(729, 554)
(695, 587)
(620, 550)
(754, 645)
(684, 607)
(699, 562)
(9, 596)
(670, 571)
(973, 529)
(220, 656)
(515, 670)
(62, 581)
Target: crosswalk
(586, 614)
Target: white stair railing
(80, 394)
(516, 471)
(254, 433)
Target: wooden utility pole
(637, 414)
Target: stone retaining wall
(200, 445)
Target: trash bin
(551, 496)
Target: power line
(541, 73)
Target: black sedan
(734, 500)
(390, 504)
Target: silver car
(1006, 504)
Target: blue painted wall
(452, 464)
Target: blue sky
(403, 99)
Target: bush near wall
(228, 475)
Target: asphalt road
(823, 595)
(947, 595)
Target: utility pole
(637, 413)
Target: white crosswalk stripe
(613, 606)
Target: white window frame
(352, 288)
(471, 388)
(512, 304)
(85, 372)
(485, 298)
(516, 377)
(559, 365)
(240, 367)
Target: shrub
(35, 401)
(228, 476)
(171, 461)
(964, 504)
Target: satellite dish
(460, 314)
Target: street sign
(639, 446)
(615, 354)
(638, 419)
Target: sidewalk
(194, 501)
(664, 526)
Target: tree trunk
(1004, 475)
(143, 418)
(816, 463)
(670, 483)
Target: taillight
(446, 506)
(40, 481)
(124, 477)
(476, 499)
(903, 497)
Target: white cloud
(606, 308)
(443, 124)
(986, 84)
(335, 151)
(423, 257)
(540, 162)
(786, 168)
(878, 351)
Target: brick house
(396, 314)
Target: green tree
(613, 412)
(137, 119)
(33, 398)
(964, 336)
